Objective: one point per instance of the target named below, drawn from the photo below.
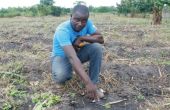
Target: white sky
(62, 3)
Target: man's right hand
(77, 42)
(91, 90)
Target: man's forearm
(93, 38)
(76, 64)
(80, 70)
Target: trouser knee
(60, 78)
(96, 47)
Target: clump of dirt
(36, 39)
(18, 46)
(154, 44)
(10, 58)
(133, 52)
(26, 47)
(6, 46)
(33, 70)
(167, 69)
(126, 72)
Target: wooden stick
(114, 102)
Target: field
(136, 65)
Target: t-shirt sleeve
(63, 38)
(91, 27)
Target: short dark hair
(80, 8)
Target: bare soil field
(135, 71)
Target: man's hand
(77, 42)
(91, 91)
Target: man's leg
(61, 69)
(93, 53)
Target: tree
(124, 7)
(91, 8)
(143, 6)
(157, 10)
(55, 11)
(103, 9)
(79, 3)
(47, 2)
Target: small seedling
(140, 97)
(72, 94)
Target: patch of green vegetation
(17, 93)
(7, 106)
(162, 61)
(164, 53)
(72, 94)
(165, 63)
(17, 67)
(13, 77)
(45, 100)
(14, 98)
(140, 97)
(107, 106)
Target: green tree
(47, 2)
(143, 6)
(157, 10)
(79, 3)
(103, 9)
(91, 8)
(123, 7)
(55, 11)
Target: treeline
(37, 10)
(126, 7)
(44, 10)
(103, 9)
(133, 7)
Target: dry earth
(136, 65)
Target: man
(70, 52)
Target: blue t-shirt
(65, 35)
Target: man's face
(78, 21)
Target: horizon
(66, 4)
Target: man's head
(79, 17)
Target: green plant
(164, 53)
(6, 106)
(72, 94)
(165, 62)
(45, 100)
(140, 97)
(107, 106)
(17, 93)
(15, 78)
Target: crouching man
(69, 51)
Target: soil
(123, 76)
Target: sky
(62, 3)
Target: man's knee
(97, 48)
(60, 78)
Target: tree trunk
(157, 16)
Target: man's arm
(77, 65)
(96, 37)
